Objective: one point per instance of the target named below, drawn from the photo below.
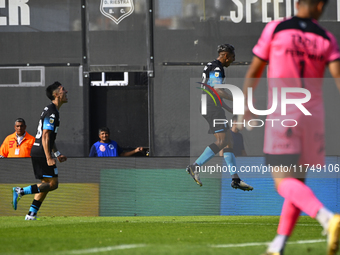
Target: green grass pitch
(237, 235)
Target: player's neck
(57, 103)
(304, 13)
(309, 12)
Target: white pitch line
(104, 249)
(235, 223)
(265, 243)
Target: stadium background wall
(167, 41)
(149, 187)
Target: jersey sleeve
(215, 77)
(262, 48)
(334, 53)
(49, 122)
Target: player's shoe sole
(194, 174)
(29, 217)
(333, 233)
(272, 253)
(241, 185)
(16, 197)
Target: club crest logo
(116, 10)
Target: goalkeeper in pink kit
(297, 51)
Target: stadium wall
(156, 187)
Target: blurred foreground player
(44, 165)
(298, 50)
(213, 74)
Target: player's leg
(290, 212)
(298, 197)
(49, 181)
(46, 185)
(219, 131)
(207, 154)
(230, 161)
(289, 216)
(282, 147)
(301, 196)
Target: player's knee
(54, 185)
(221, 143)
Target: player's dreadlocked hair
(226, 48)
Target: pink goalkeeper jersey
(296, 48)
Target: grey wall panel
(115, 37)
(40, 16)
(171, 110)
(38, 31)
(123, 48)
(44, 47)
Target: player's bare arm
(334, 69)
(45, 139)
(255, 71)
(224, 94)
(252, 79)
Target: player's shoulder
(272, 26)
(51, 110)
(214, 66)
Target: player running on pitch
(298, 50)
(44, 165)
